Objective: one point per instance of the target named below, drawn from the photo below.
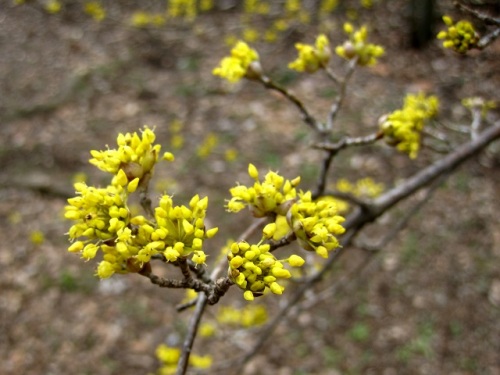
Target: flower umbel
(311, 58)
(316, 224)
(267, 198)
(243, 62)
(402, 127)
(460, 36)
(357, 47)
(127, 242)
(255, 269)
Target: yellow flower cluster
(104, 222)
(53, 6)
(357, 47)
(179, 231)
(95, 10)
(311, 58)
(316, 224)
(267, 198)
(135, 156)
(402, 128)
(460, 36)
(243, 62)
(143, 19)
(169, 357)
(254, 269)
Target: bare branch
(306, 116)
(488, 20)
(332, 150)
(427, 175)
(489, 38)
(340, 97)
(348, 141)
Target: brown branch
(340, 97)
(306, 116)
(430, 173)
(360, 217)
(488, 20)
(348, 142)
(332, 150)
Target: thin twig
(480, 16)
(306, 116)
(340, 97)
(348, 142)
(489, 38)
(323, 174)
(331, 150)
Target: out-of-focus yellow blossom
(144, 19)
(363, 188)
(249, 316)
(182, 8)
(256, 7)
(292, 6)
(37, 237)
(402, 128)
(328, 6)
(208, 145)
(169, 357)
(460, 36)
(316, 224)
(250, 35)
(206, 5)
(207, 329)
(311, 58)
(231, 154)
(267, 198)
(95, 10)
(358, 47)
(140, 19)
(477, 102)
(366, 3)
(243, 62)
(200, 362)
(53, 6)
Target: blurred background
(73, 74)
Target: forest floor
(427, 303)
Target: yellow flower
(358, 47)
(460, 36)
(238, 64)
(402, 128)
(316, 224)
(311, 58)
(95, 10)
(267, 198)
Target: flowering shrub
(321, 223)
